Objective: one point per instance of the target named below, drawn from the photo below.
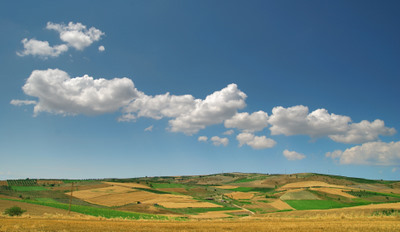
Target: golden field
(268, 224)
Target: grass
(152, 190)
(98, 212)
(244, 180)
(371, 194)
(168, 185)
(198, 210)
(46, 199)
(252, 189)
(319, 204)
(28, 188)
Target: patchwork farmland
(230, 196)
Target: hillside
(226, 195)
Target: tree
(14, 211)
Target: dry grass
(280, 205)
(41, 182)
(308, 184)
(239, 195)
(227, 187)
(176, 205)
(267, 224)
(128, 185)
(3, 183)
(97, 192)
(118, 196)
(216, 214)
(35, 210)
(67, 187)
(334, 191)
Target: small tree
(14, 211)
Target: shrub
(14, 211)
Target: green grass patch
(28, 188)
(365, 194)
(152, 190)
(98, 212)
(46, 199)
(319, 204)
(244, 180)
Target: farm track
(271, 224)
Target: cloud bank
(371, 153)
(58, 93)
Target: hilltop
(224, 195)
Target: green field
(28, 188)
(317, 204)
(98, 212)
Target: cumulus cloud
(371, 153)
(158, 106)
(217, 141)
(292, 155)
(76, 34)
(150, 128)
(248, 122)
(22, 102)
(58, 93)
(297, 120)
(256, 142)
(363, 131)
(214, 109)
(229, 132)
(41, 48)
(202, 139)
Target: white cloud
(292, 155)
(229, 132)
(150, 128)
(363, 131)
(41, 48)
(159, 106)
(217, 141)
(102, 48)
(202, 139)
(60, 94)
(297, 120)
(76, 34)
(22, 102)
(371, 153)
(256, 142)
(214, 109)
(248, 122)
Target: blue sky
(147, 88)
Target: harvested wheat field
(240, 195)
(129, 185)
(273, 224)
(307, 184)
(97, 192)
(334, 191)
(280, 205)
